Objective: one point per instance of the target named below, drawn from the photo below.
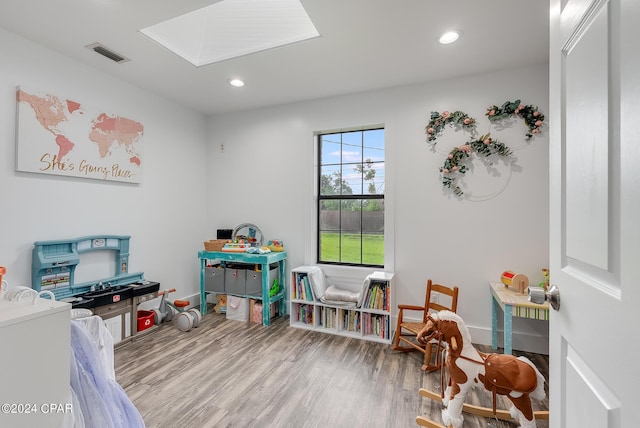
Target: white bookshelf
(371, 322)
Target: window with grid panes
(351, 198)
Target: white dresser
(34, 371)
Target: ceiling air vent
(106, 52)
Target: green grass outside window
(372, 251)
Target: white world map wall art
(59, 136)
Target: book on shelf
(308, 293)
(302, 289)
(351, 321)
(329, 317)
(305, 314)
(377, 296)
(375, 325)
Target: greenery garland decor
(440, 120)
(455, 162)
(530, 114)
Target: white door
(594, 126)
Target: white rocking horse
(515, 378)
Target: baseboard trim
(519, 341)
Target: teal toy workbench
(262, 262)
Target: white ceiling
(363, 45)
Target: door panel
(590, 402)
(586, 89)
(594, 160)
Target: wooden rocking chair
(406, 331)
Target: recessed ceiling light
(449, 37)
(236, 82)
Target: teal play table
(264, 260)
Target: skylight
(233, 28)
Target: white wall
(165, 215)
(265, 176)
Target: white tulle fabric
(101, 400)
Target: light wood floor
(236, 374)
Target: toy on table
(236, 246)
(545, 284)
(276, 245)
(517, 280)
(258, 250)
(253, 235)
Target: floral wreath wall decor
(456, 162)
(530, 114)
(440, 120)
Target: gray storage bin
(235, 279)
(254, 280)
(214, 279)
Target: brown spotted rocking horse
(515, 378)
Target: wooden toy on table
(517, 280)
(236, 246)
